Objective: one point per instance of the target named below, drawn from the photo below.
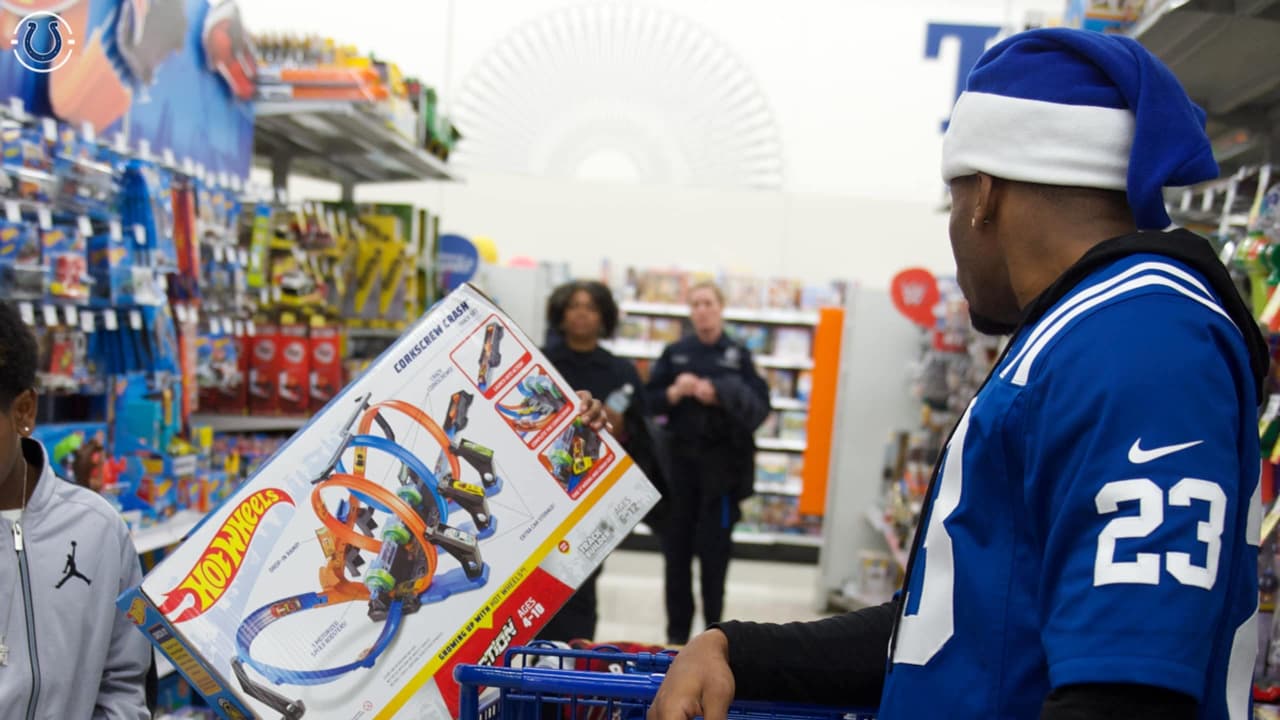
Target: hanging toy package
(437, 511)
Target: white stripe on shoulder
(1033, 349)
(1093, 291)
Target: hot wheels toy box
(409, 527)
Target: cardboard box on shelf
(793, 425)
(664, 331)
(793, 342)
(633, 327)
(294, 376)
(264, 363)
(743, 291)
(326, 364)
(406, 529)
(753, 337)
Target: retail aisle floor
(631, 605)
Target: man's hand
(686, 385)
(699, 682)
(593, 412)
(705, 392)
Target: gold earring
(973, 222)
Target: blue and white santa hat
(1081, 109)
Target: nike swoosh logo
(1138, 456)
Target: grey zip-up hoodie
(89, 661)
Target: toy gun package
(419, 521)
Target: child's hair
(600, 295)
(18, 356)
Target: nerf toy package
(409, 527)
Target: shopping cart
(543, 682)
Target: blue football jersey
(1096, 514)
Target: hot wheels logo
(220, 562)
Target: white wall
(857, 103)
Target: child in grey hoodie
(66, 652)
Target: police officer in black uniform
(707, 386)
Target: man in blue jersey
(1089, 543)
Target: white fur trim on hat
(1038, 142)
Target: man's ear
(988, 199)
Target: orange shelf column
(822, 410)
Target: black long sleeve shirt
(841, 661)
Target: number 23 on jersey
(922, 634)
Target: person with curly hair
(582, 314)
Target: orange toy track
(346, 534)
(418, 416)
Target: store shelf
(788, 404)
(169, 532)
(756, 538)
(784, 363)
(649, 350)
(773, 488)
(780, 445)
(768, 538)
(641, 349)
(374, 333)
(768, 317)
(248, 423)
(343, 142)
(1224, 55)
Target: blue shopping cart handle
(640, 687)
(634, 686)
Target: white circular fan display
(620, 91)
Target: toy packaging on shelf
(1105, 16)
(409, 527)
(753, 337)
(326, 364)
(264, 364)
(633, 327)
(64, 440)
(301, 69)
(294, 369)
